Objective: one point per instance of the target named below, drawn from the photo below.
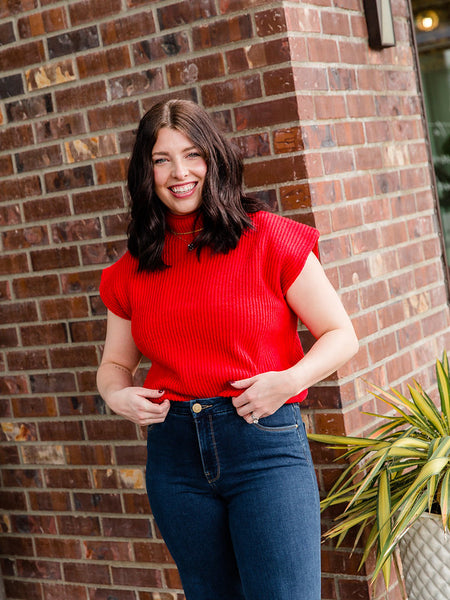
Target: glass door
(432, 23)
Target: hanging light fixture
(427, 20)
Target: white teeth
(181, 189)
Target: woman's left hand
(264, 394)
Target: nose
(179, 169)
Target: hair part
(224, 208)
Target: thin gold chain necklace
(190, 245)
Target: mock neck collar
(183, 223)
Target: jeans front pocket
(284, 419)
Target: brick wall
(333, 135)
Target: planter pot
(425, 554)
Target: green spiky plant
(397, 473)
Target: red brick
(335, 249)
(117, 429)
(232, 91)
(13, 263)
(253, 145)
(196, 69)
(20, 188)
(112, 171)
(136, 83)
(160, 48)
(91, 10)
(30, 53)
(361, 106)
(74, 356)
(219, 33)
(12, 501)
(46, 208)
(267, 113)
(16, 137)
(275, 171)
(350, 133)
(334, 23)
(303, 18)
(126, 528)
(50, 501)
(73, 41)
(106, 550)
(31, 287)
(41, 23)
(97, 502)
(270, 22)
(84, 95)
(18, 312)
(28, 360)
(95, 254)
(322, 50)
(353, 52)
(338, 162)
(330, 107)
(59, 127)
(88, 455)
(255, 56)
(183, 13)
(23, 590)
(145, 577)
(106, 61)
(127, 28)
(8, 338)
(64, 308)
(342, 78)
(152, 552)
(66, 179)
(34, 407)
(113, 116)
(52, 383)
(71, 231)
(96, 573)
(55, 591)
(43, 260)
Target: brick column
(332, 134)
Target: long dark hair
(224, 208)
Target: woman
(211, 290)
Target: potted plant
(398, 473)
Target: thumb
(243, 383)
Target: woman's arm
(316, 303)
(115, 377)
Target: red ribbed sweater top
(207, 321)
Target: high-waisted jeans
(236, 503)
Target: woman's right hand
(135, 404)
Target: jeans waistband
(197, 406)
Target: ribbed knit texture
(205, 322)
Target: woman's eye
(159, 161)
(194, 155)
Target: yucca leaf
(384, 517)
(368, 480)
(444, 390)
(444, 498)
(428, 410)
(399, 531)
(341, 440)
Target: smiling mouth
(183, 190)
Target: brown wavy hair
(224, 208)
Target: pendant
(191, 246)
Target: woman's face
(179, 171)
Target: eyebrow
(167, 153)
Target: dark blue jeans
(236, 503)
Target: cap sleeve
(114, 287)
(290, 245)
(301, 241)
